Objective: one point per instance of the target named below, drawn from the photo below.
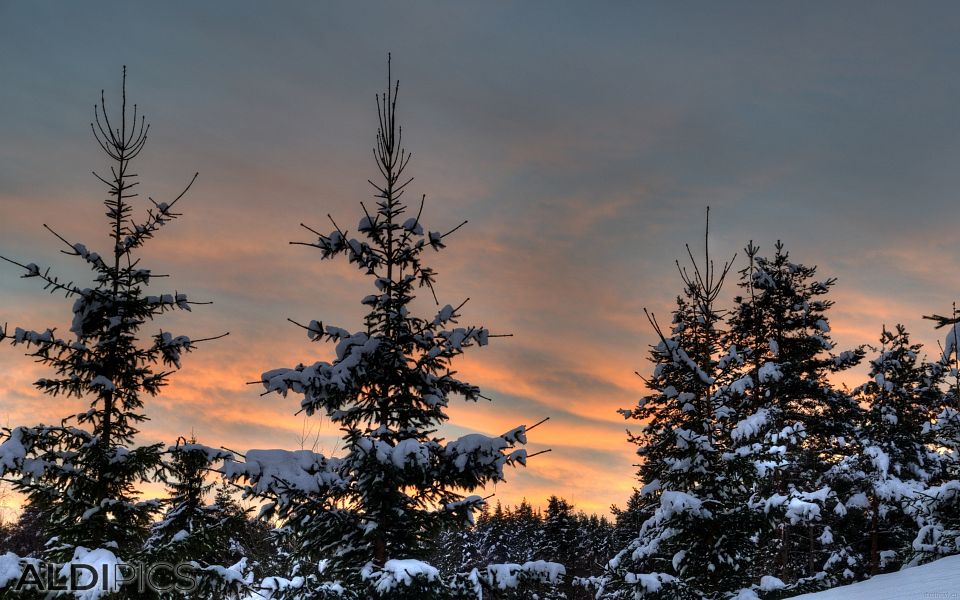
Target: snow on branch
(508, 576)
(398, 573)
(280, 473)
(478, 453)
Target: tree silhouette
(83, 473)
(397, 483)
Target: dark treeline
(520, 534)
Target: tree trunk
(379, 552)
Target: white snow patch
(769, 583)
(770, 372)
(273, 470)
(506, 576)
(104, 561)
(102, 382)
(10, 569)
(950, 343)
(399, 572)
(939, 579)
(750, 426)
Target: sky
(582, 142)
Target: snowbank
(939, 579)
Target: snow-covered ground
(939, 579)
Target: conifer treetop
(83, 471)
(387, 390)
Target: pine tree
(896, 459)
(946, 427)
(24, 537)
(559, 533)
(396, 482)
(691, 544)
(83, 474)
(937, 508)
(474, 541)
(192, 530)
(450, 549)
(497, 537)
(629, 519)
(186, 523)
(526, 533)
(794, 424)
(595, 545)
(246, 538)
(559, 539)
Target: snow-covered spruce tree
(250, 539)
(24, 537)
(595, 542)
(520, 536)
(496, 535)
(462, 547)
(83, 473)
(794, 424)
(525, 534)
(506, 535)
(629, 519)
(593, 548)
(472, 545)
(559, 537)
(369, 513)
(192, 530)
(450, 550)
(937, 509)
(946, 428)
(693, 545)
(512, 565)
(896, 457)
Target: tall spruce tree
(559, 540)
(369, 513)
(594, 545)
(692, 544)
(946, 427)
(82, 474)
(191, 530)
(937, 509)
(559, 532)
(795, 425)
(897, 457)
(526, 532)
